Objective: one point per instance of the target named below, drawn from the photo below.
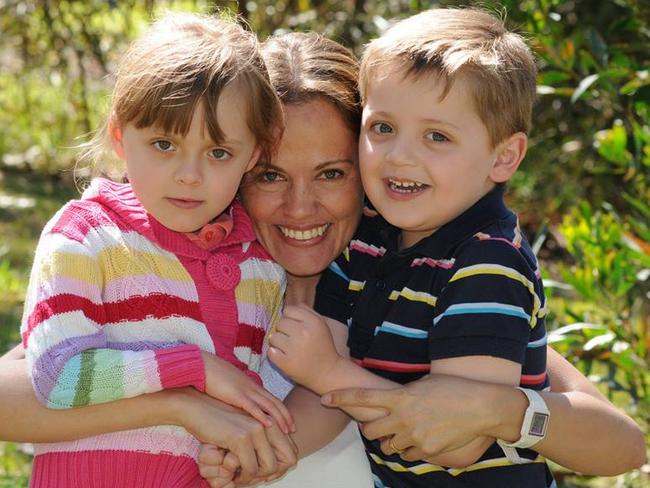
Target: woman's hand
(228, 384)
(425, 418)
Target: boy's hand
(303, 348)
(225, 382)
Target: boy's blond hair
(184, 59)
(447, 42)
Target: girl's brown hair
(184, 59)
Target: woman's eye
(220, 154)
(437, 137)
(331, 174)
(163, 145)
(270, 176)
(381, 128)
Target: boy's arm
(303, 346)
(488, 326)
(482, 368)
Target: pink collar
(121, 199)
(213, 233)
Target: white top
(340, 464)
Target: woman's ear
(115, 134)
(509, 154)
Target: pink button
(223, 272)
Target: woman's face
(306, 204)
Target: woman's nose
(301, 200)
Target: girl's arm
(36, 423)
(207, 419)
(78, 290)
(441, 413)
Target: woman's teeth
(303, 235)
(405, 186)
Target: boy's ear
(115, 134)
(510, 153)
(257, 152)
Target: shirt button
(380, 285)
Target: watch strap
(533, 427)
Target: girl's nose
(189, 173)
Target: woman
(306, 204)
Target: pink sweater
(118, 306)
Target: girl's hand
(221, 468)
(214, 422)
(212, 469)
(302, 347)
(225, 382)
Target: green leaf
(583, 86)
(612, 144)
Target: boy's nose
(400, 153)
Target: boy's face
(423, 160)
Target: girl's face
(186, 181)
(307, 203)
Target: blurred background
(583, 192)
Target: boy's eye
(331, 174)
(220, 154)
(163, 145)
(381, 128)
(437, 137)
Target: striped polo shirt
(471, 288)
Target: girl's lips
(184, 203)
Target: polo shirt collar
(489, 208)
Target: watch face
(538, 424)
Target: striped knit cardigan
(118, 306)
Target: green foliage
(14, 467)
(611, 275)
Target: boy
(443, 282)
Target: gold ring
(394, 447)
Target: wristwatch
(533, 428)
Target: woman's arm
(441, 413)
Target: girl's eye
(220, 154)
(381, 128)
(331, 174)
(270, 177)
(163, 145)
(437, 137)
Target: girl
(137, 286)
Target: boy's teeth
(303, 235)
(405, 186)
